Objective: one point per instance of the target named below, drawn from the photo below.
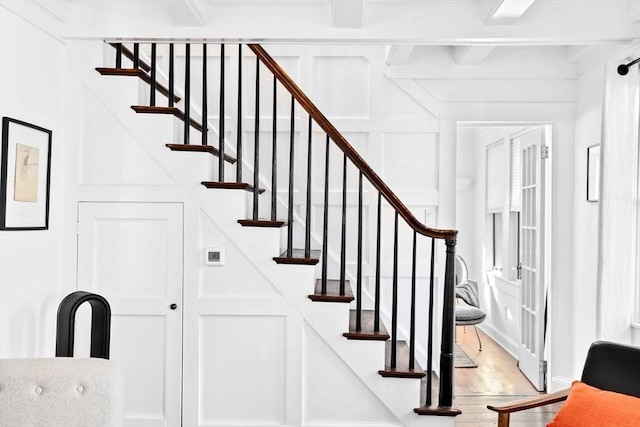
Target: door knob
(173, 306)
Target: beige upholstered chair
(61, 392)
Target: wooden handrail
(350, 152)
(531, 402)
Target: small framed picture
(593, 173)
(25, 175)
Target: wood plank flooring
(496, 380)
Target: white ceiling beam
(348, 13)
(309, 21)
(185, 13)
(467, 55)
(398, 54)
(505, 12)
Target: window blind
(496, 176)
(515, 200)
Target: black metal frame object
(100, 324)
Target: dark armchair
(609, 366)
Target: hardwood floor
(496, 380)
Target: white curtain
(618, 257)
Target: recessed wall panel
(130, 257)
(138, 345)
(341, 86)
(242, 370)
(410, 161)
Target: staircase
(336, 291)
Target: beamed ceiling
(470, 29)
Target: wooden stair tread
(333, 292)
(231, 186)
(106, 71)
(136, 72)
(297, 257)
(155, 109)
(261, 223)
(445, 411)
(402, 363)
(366, 327)
(127, 53)
(200, 149)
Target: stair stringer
(328, 320)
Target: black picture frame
(593, 173)
(25, 175)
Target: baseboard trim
(559, 383)
(503, 340)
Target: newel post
(445, 398)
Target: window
(514, 246)
(504, 200)
(515, 203)
(495, 200)
(496, 176)
(496, 241)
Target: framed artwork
(25, 175)
(593, 173)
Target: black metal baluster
(325, 226)
(274, 156)
(256, 148)
(221, 132)
(118, 55)
(205, 113)
(240, 117)
(291, 175)
(430, 329)
(152, 93)
(187, 91)
(359, 271)
(412, 327)
(343, 240)
(376, 320)
(307, 235)
(136, 55)
(171, 77)
(394, 307)
(445, 396)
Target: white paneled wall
(32, 262)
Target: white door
(131, 253)
(532, 294)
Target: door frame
(550, 132)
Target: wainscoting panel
(110, 154)
(333, 393)
(242, 363)
(341, 86)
